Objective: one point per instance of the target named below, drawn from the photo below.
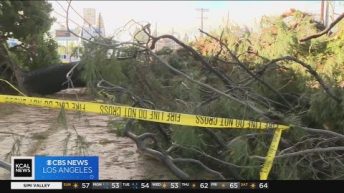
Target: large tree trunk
(42, 81)
(51, 79)
(9, 71)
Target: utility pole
(322, 11)
(332, 11)
(227, 22)
(202, 10)
(327, 13)
(156, 30)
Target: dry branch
(245, 68)
(188, 160)
(193, 52)
(167, 160)
(325, 31)
(309, 69)
(303, 152)
(322, 131)
(5, 165)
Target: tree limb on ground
(5, 165)
(309, 69)
(325, 31)
(302, 152)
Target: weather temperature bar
(168, 185)
(139, 185)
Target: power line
(98, 32)
(83, 38)
(85, 21)
(82, 28)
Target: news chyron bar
(81, 173)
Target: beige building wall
(90, 16)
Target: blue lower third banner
(66, 168)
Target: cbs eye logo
(22, 168)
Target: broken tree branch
(193, 52)
(302, 152)
(244, 67)
(325, 31)
(5, 165)
(188, 160)
(309, 69)
(167, 160)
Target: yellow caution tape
(264, 173)
(159, 117)
(141, 113)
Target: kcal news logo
(22, 168)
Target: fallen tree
(28, 23)
(235, 78)
(52, 79)
(43, 81)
